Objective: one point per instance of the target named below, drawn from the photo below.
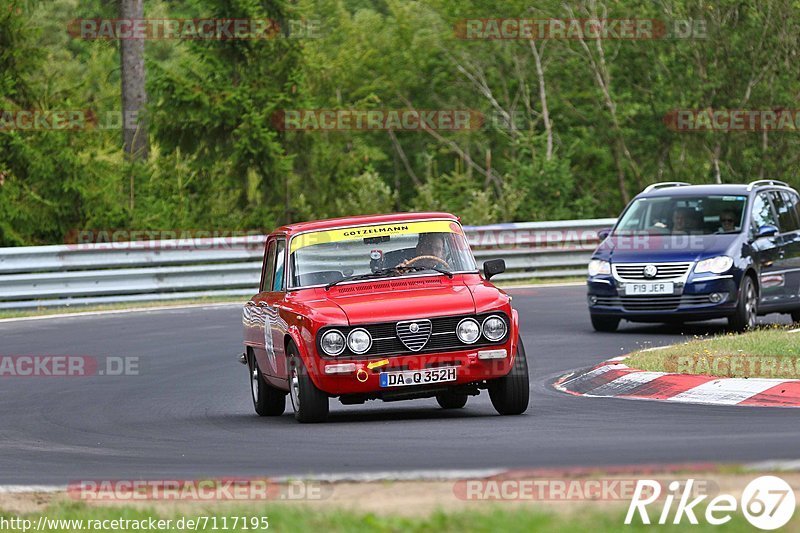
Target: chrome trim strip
(711, 278)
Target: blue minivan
(682, 252)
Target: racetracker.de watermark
(213, 29)
(748, 120)
(67, 366)
(578, 29)
(64, 120)
(562, 489)
(377, 119)
(245, 489)
(178, 239)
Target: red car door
(271, 301)
(267, 306)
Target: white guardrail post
(91, 274)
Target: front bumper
(362, 379)
(705, 298)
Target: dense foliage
(573, 128)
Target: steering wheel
(409, 262)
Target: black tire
(310, 404)
(606, 324)
(267, 400)
(746, 307)
(796, 316)
(451, 400)
(510, 394)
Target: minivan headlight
(332, 342)
(715, 265)
(598, 267)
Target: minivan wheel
(746, 308)
(308, 402)
(605, 323)
(796, 316)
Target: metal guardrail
(91, 274)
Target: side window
(792, 202)
(785, 212)
(277, 282)
(269, 269)
(762, 212)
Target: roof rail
(665, 184)
(758, 183)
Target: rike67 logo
(768, 503)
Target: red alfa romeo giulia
(389, 307)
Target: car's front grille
(664, 271)
(386, 336)
(414, 333)
(653, 303)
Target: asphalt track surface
(188, 413)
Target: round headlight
(494, 328)
(359, 341)
(332, 342)
(468, 331)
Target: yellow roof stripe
(360, 232)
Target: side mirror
(767, 230)
(604, 233)
(493, 267)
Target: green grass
(540, 281)
(219, 299)
(495, 519)
(119, 306)
(764, 353)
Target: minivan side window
(793, 204)
(269, 268)
(277, 283)
(786, 215)
(762, 212)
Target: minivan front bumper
(700, 297)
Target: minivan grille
(653, 303)
(665, 271)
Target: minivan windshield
(684, 215)
(375, 251)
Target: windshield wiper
(435, 269)
(382, 272)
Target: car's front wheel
(605, 323)
(451, 400)
(746, 308)
(510, 394)
(309, 403)
(267, 400)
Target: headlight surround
(332, 342)
(359, 341)
(468, 331)
(598, 267)
(494, 328)
(715, 265)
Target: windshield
(684, 215)
(325, 257)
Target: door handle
(781, 254)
